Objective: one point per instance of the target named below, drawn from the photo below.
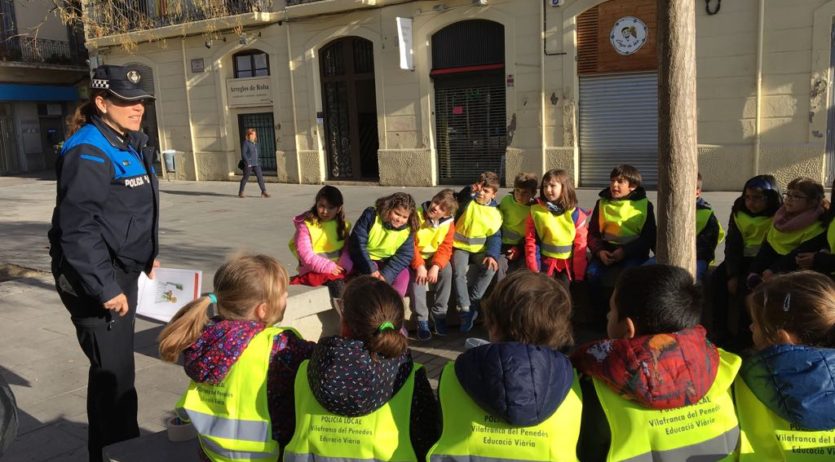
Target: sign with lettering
(628, 35)
(254, 91)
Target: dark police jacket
(107, 209)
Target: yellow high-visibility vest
(753, 231)
(621, 221)
(383, 242)
(556, 232)
(702, 217)
(784, 242)
(475, 225)
(830, 236)
(429, 237)
(514, 216)
(471, 434)
(382, 435)
(232, 418)
(324, 239)
(765, 436)
(705, 429)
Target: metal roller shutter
(470, 124)
(618, 125)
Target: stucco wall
(406, 167)
(542, 104)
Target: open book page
(160, 298)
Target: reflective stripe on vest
(324, 239)
(706, 429)
(384, 242)
(753, 231)
(428, 236)
(232, 417)
(475, 225)
(767, 436)
(702, 217)
(785, 242)
(514, 216)
(471, 434)
(382, 435)
(621, 221)
(556, 232)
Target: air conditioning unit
(557, 2)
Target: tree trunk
(677, 150)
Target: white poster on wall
(404, 43)
(252, 91)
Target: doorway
(349, 104)
(262, 122)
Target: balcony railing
(110, 17)
(300, 2)
(38, 50)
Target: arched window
(251, 63)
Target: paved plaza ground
(201, 223)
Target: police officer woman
(104, 233)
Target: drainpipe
(188, 110)
(293, 102)
(758, 121)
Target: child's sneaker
(440, 326)
(467, 320)
(423, 332)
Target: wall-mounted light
(208, 43)
(246, 38)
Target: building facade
(433, 92)
(42, 67)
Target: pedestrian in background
(249, 155)
(104, 233)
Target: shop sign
(628, 35)
(254, 91)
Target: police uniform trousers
(107, 340)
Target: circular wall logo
(628, 35)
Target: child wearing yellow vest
(657, 389)
(242, 368)
(822, 261)
(430, 265)
(556, 230)
(515, 209)
(517, 398)
(382, 241)
(621, 233)
(319, 242)
(784, 392)
(477, 242)
(725, 315)
(361, 397)
(799, 227)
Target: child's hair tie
(212, 298)
(385, 326)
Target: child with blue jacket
(520, 384)
(784, 391)
(382, 241)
